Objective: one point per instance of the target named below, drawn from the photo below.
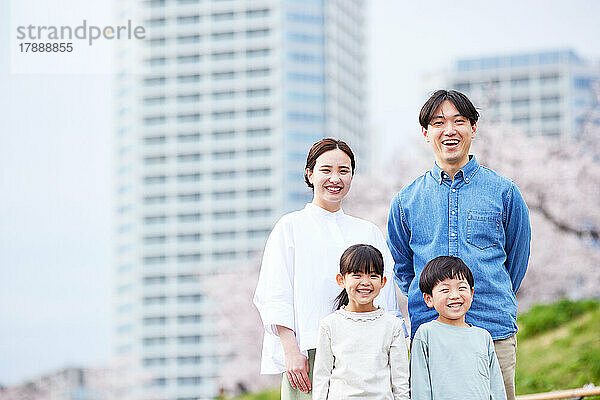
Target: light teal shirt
(449, 362)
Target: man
(462, 209)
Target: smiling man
(462, 209)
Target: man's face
(449, 134)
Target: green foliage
(268, 395)
(542, 318)
(559, 347)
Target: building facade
(546, 93)
(216, 110)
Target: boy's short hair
(442, 268)
(462, 103)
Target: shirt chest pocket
(483, 228)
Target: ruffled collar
(361, 316)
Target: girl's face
(362, 289)
(331, 178)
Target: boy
(451, 359)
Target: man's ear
(428, 300)
(309, 175)
(474, 130)
(339, 278)
(424, 132)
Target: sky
(55, 151)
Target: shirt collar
(468, 171)
(316, 210)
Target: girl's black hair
(358, 258)
(442, 268)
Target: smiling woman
(297, 284)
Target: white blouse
(297, 286)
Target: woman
(297, 286)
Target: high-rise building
(217, 109)
(547, 93)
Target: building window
(158, 41)
(155, 160)
(263, 52)
(189, 380)
(161, 21)
(189, 177)
(188, 78)
(190, 237)
(254, 33)
(155, 120)
(228, 214)
(229, 174)
(189, 157)
(259, 212)
(151, 362)
(189, 217)
(223, 155)
(187, 360)
(154, 341)
(189, 257)
(151, 260)
(256, 13)
(223, 75)
(190, 298)
(150, 300)
(155, 320)
(188, 58)
(227, 94)
(187, 278)
(188, 137)
(155, 199)
(186, 39)
(188, 19)
(223, 134)
(224, 255)
(229, 114)
(224, 195)
(224, 235)
(223, 55)
(258, 92)
(260, 192)
(258, 132)
(258, 152)
(223, 16)
(154, 179)
(155, 280)
(155, 239)
(258, 72)
(189, 197)
(189, 319)
(222, 35)
(189, 98)
(256, 172)
(151, 101)
(155, 81)
(192, 339)
(258, 112)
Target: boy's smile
(451, 298)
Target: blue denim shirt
(479, 216)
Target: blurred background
(141, 177)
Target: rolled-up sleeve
(398, 243)
(274, 296)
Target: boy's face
(451, 298)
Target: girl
(361, 350)
(296, 284)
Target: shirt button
(454, 190)
(453, 212)
(453, 234)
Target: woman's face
(331, 178)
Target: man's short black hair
(442, 268)
(460, 101)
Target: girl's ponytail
(341, 300)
